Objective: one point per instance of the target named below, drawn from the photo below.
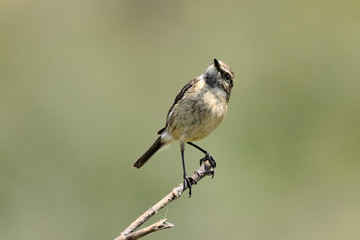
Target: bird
(197, 110)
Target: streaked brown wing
(178, 97)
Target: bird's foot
(209, 158)
(188, 182)
(212, 163)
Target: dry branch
(204, 170)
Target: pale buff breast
(197, 114)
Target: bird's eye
(227, 77)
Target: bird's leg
(188, 181)
(207, 157)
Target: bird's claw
(212, 163)
(209, 158)
(188, 182)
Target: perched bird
(197, 110)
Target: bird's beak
(216, 64)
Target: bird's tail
(159, 143)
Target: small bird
(198, 109)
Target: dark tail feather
(151, 151)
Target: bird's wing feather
(178, 97)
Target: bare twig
(159, 225)
(204, 170)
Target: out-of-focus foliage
(85, 85)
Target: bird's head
(220, 76)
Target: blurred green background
(85, 85)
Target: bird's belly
(193, 120)
(200, 130)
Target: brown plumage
(198, 109)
